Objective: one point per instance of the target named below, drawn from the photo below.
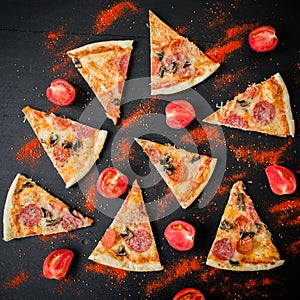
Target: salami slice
(263, 112)
(30, 215)
(82, 131)
(236, 121)
(141, 241)
(223, 249)
(69, 222)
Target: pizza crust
(7, 229)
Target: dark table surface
(34, 37)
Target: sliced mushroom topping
(115, 101)
(174, 67)
(167, 165)
(195, 158)
(226, 225)
(76, 145)
(245, 234)
(46, 213)
(243, 103)
(53, 222)
(67, 145)
(162, 72)
(76, 62)
(160, 55)
(121, 251)
(53, 140)
(186, 64)
(234, 262)
(240, 201)
(127, 235)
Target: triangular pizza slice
(72, 147)
(129, 243)
(242, 241)
(30, 210)
(176, 63)
(263, 107)
(104, 67)
(185, 173)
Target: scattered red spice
(114, 273)
(294, 248)
(218, 53)
(53, 38)
(30, 152)
(16, 280)
(106, 17)
(254, 154)
(90, 198)
(123, 149)
(288, 212)
(172, 272)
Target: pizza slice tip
(104, 66)
(185, 173)
(242, 241)
(72, 147)
(128, 243)
(263, 107)
(30, 211)
(176, 63)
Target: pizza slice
(242, 241)
(104, 67)
(129, 243)
(30, 210)
(72, 147)
(176, 63)
(263, 107)
(185, 173)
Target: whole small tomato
(282, 181)
(180, 235)
(57, 264)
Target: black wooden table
(34, 37)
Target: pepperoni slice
(60, 123)
(108, 238)
(263, 112)
(236, 121)
(141, 241)
(83, 131)
(69, 222)
(60, 153)
(223, 249)
(123, 63)
(244, 246)
(30, 215)
(175, 63)
(242, 223)
(155, 66)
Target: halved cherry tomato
(282, 181)
(61, 92)
(112, 183)
(180, 235)
(263, 39)
(57, 264)
(179, 114)
(189, 294)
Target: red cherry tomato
(112, 183)
(61, 92)
(179, 114)
(180, 235)
(57, 264)
(263, 39)
(282, 181)
(189, 294)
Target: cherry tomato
(263, 39)
(57, 264)
(179, 114)
(189, 294)
(112, 183)
(61, 92)
(180, 235)
(282, 181)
